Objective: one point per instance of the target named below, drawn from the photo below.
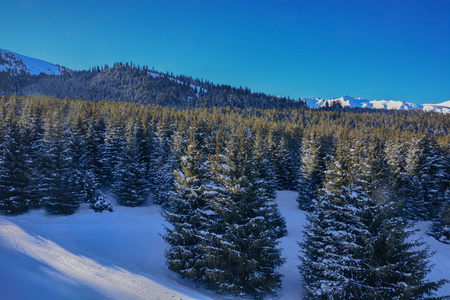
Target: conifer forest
(214, 165)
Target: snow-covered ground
(120, 255)
(30, 65)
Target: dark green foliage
(362, 165)
(440, 227)
(130, 186)
(240, 254)
(14, 176)
(187, 211)
(124, 82)
(162, 165)
(99, 203)
(59, 182)
(310, 177)
(355, 247)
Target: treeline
(362, 176)
(131, 83)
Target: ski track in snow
(120, 255)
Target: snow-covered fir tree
(355, 246)
(100, 203)
(187, 211)
(130, 185)
(411, 194)
(14, 175)
(162, 165)
(310, 177)
(113, 146)
(240, 247)
(59, 185)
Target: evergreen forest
(214, 161)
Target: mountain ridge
(348, 101)
(14, 61)
(17, 63)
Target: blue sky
(372, 49)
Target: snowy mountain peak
(13, 61)
(348, 101)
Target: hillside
(10, 61)
(127, 82)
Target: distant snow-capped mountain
(13, 61)
(10, 61)
(347, 101)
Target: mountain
(18, 62)
(443, 107)
(347, 101)
(127, 82)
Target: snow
(295, 220)
(194, 87)
(120, 255)
(443, 107)
(32, 65)
(347, 101)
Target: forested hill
(131, 83)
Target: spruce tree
(112, 148)
(130, 184)
(187, 211)
(14, 173)
(261, 156)
(162, 165)
(355, 247)
(240, 253)
(59, 184)
(310, 177)
(411, 192)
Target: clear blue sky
(374, 49)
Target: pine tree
(355, 247)
(100, 203)
(187, 211)
(14, 174)
(411, 192)
(434, 173)
(310, 178)
(112, 149)
(163, 163)
(59, 183)
(262, 163)
(240, 254)
(30, 124)
(440, 227)
(284, 167)
(267, 187)
(130, 184)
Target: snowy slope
(120, 255)
(10, 60)
(443, 107)
(347, 101)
